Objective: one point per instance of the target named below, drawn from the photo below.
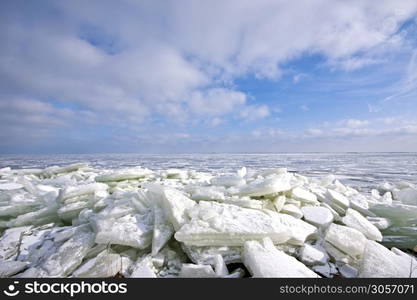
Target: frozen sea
(360, 170)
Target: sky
(181, 76)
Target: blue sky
(212, 76)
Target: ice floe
(77, 221)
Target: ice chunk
(379, 262)
(292, 210)
(196, 271)
(11, 240)
(346, 239)
(279, 203)
(207, 194)
(317, 216)
(174, 203)
(69, 255)
(16, 209)
(10, 267)
(406, 196)
(176, 174)
(355, 220)
(132, 230)
(380, 223)
(10, 186)
(163, 230)
(143, 268)
(228, 180)
(217, 224)
(328, 270)
(48, 172)
(273, 185)
(79, 190)
(102, 266)
(396, 212)
(338, 256)
(71, 211)
(262, 259)
(125, 174)
(242, 172)
(206, 255)
(348, 271)
(303, 195)
(336, 199)
(220, 266)
(311, 256)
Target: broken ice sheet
(264, 260)
(346, 239)
(145, 211)
(268, 186)
(69, 255)
(133, 230)
(216, 224)
(163, 229)
(103, 265)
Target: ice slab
(378, 261)
(144, 268)
(292, 210)
(75, 191)
(217, 224)
(380, 223)
(206, 255)
(132, 230)
(279, 203)
(336, 199)
(348, 271)
(69, 255)
(317, 216)
(406, 196)
(11, 240)
(196, 271)
(346, 239)
(272, 185)
(103, 266)
(207, 194)
(163, 229)
(9, 268)
(355, 220)
(262, 259)
(303, 195)
(312, 256)
(174, 203)
(228, 181)
(125, 174)
(10, 186)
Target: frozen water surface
(359, 170)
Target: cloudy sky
(208, 76)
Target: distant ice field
(360, 170)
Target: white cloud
(178, 60)
(364, 128)
(254, 112)
(353, 123)
(216, 101)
